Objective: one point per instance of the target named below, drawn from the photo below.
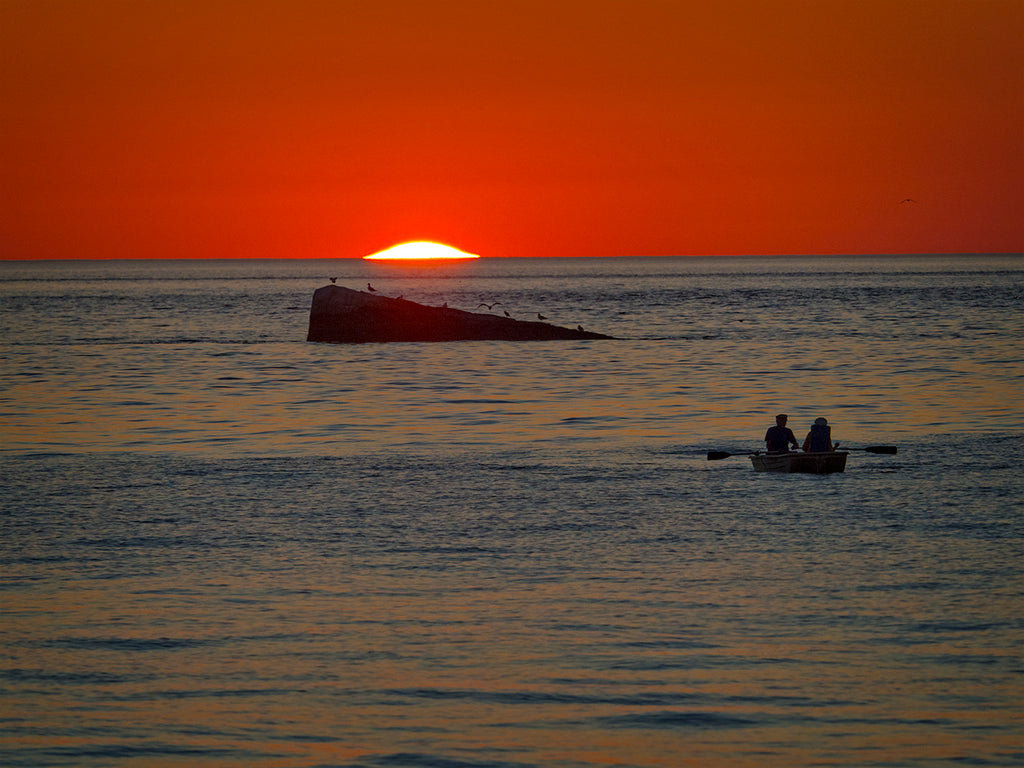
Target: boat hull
(810, 463)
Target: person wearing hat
(778, 438)
(819, 439)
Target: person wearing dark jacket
(778, 438)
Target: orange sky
(316, 128)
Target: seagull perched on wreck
(540, 316)
(489, 306)
(507, 314)
(370, 288)
(579, 327)
(334, 279)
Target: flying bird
(907, 200)
(489, 306)
(370, 288)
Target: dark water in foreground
(224, 546)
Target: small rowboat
(822, 463)
(813, 463)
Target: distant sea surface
(223, 545)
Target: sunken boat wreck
(344, 316)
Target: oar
(873, 449)
(716, 455)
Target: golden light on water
(421, 250)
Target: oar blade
(890, 449)
(716, 455)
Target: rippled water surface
(223, 545)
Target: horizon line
(503, 258)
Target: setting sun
(420, 251)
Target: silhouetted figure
(778, 438)
(540, 316)
(370, 288)
(819, 439)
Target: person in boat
(819, 439)
(778, 438)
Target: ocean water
(222, 545)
